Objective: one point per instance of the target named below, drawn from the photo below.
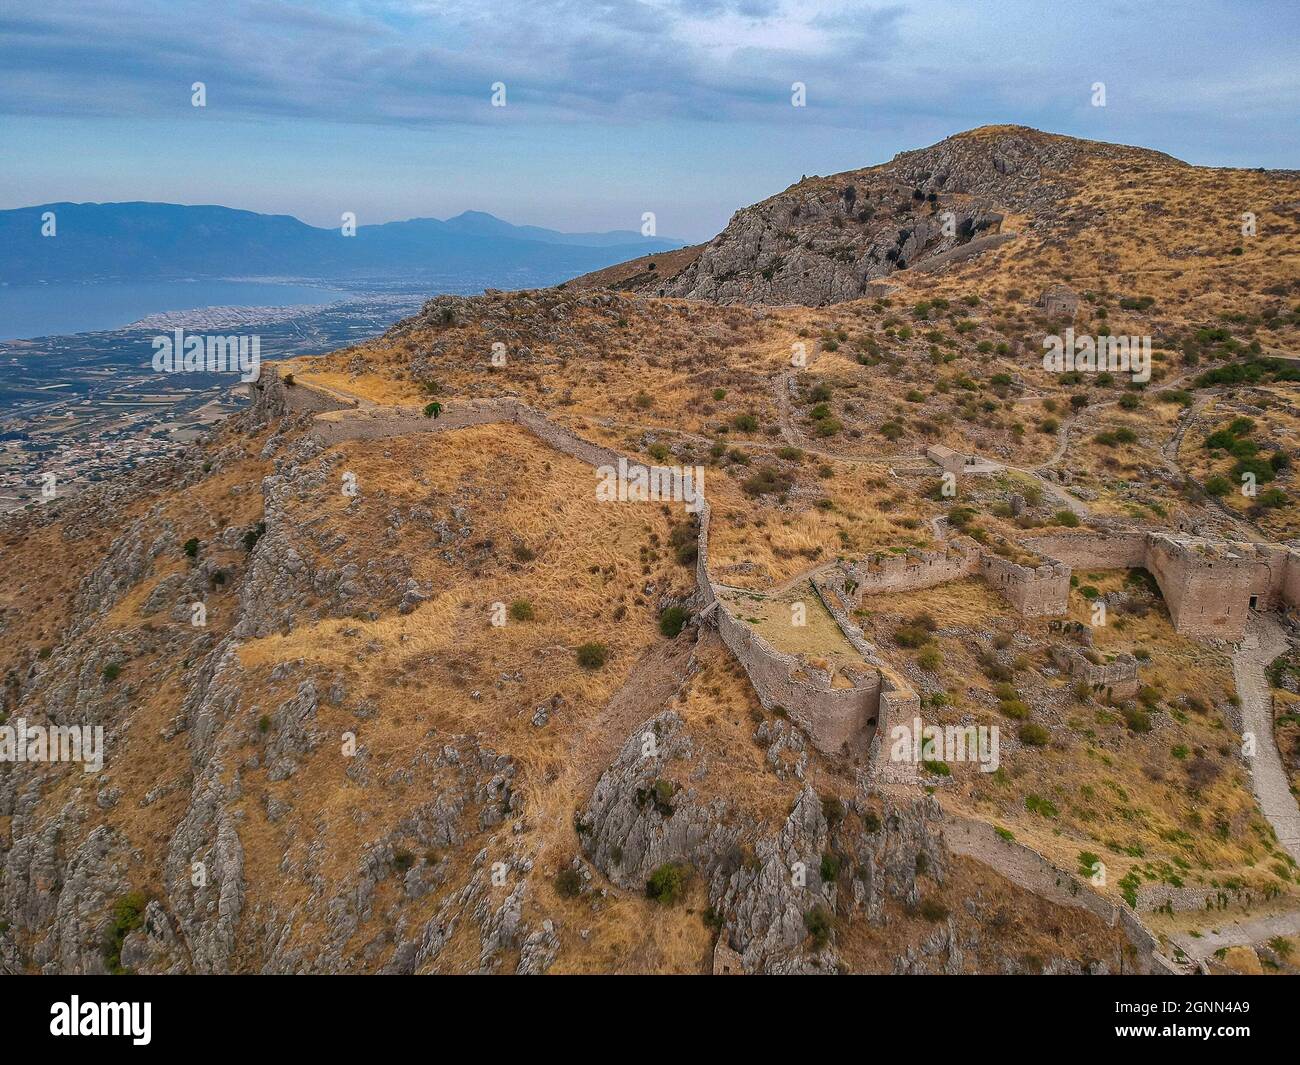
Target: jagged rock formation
(826, 240)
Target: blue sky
(614, 107)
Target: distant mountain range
(159, 241)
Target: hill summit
(828, 239)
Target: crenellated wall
(908, 572)
(1209, 586)
(1035, 592)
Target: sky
(612, 107)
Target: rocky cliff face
(826, 240)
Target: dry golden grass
(1114, 789)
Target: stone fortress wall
(1033, 591)
(837, 719)
(856, 719)
(1209, 587)
(1040, 591)
(1029, 869)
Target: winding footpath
(1263, 642)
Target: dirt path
(654, 680)
(1239, 933)
(1263, 642)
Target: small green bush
(667, 883)
(568, 883)
(672, 620)
(128, 915)
(930, 659)
(819, 924)
(933, 910)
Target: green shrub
(568, 883)
(911, 635)
(521, 610)
(819, 924)
(930, 659)
(684, 543)
(1014, 708)
(667, 883)
(192, 547)
(1262, 470)
(933, 910)
(1137, 719)
(128, 915)
(830, 867)
(592, 655)
(767, 480)
(672, 620)
(1032, 734)
(1036, 804)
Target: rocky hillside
(347, 768)
(827, 239)
(444, 711)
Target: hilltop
(1007, 194)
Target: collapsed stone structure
(1118, 676)
(1059, 301)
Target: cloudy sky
(613, 107)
